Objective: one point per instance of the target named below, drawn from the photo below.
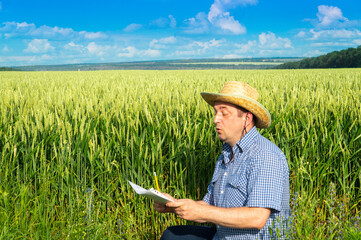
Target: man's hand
(162, 208)
(188, 209)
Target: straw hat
(243, 95)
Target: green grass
(70, 140)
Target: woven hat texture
(243, 95)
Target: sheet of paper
(151, 193)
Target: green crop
(69, 141)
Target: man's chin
(220, 137)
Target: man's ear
(249, 118)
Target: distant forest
(348, 58)
(8, 69)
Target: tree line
(348, 58)
(8, 69)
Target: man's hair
(243, 110)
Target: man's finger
(174, 204)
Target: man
(248, 196)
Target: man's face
(229, 122)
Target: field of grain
(69, 141)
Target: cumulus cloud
(98, 50)
(266, 45)
(332, 44)
(207, 44)
(24, 29)
(313, 53)
(75, 47)
(301, 34)
(357, 41)
(222, 19)
(161, 43)
(133, 27)
(336, 33)
(271, 41)
(39, 46)
(150, 53)
(328, 15)
(91, 49)
(198, 47)
(130, 52)
(199, 24)
(332, 26)
(93, 35)
(219, 16)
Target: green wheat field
(69, 141)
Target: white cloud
(268, 44)
(98, 50)
(198, 48)
(332, 26)
(328, 15)
(270, 40)
(39, 46)
(52, 32)
(357, 41)
(19, 59)
(26, 60)
(228, 56)
(208, 44)
(222, 19)
(247, 47)
(133, 27)
(24, 29)
(338, 33)
(333, 44)
(301, 34)
(198, 25)
(161, 43)
(313, 53)
(128, 52)
(218, 18)
(93, 35)
(150, 53)
(185, 53)
(75, 47)
(228, 24)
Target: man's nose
(216, 118)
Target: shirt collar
(242, 145)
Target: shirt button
(222, 192)
(225, 174)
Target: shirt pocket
(237, 191)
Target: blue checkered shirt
(257, 176)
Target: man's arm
(199, 211)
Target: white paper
(151, 193)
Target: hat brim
(258, 110)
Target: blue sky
(77, 31)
